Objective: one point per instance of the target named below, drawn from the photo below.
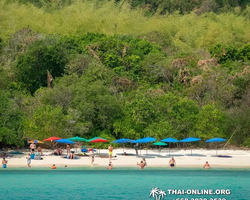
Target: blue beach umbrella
(216, 140)
(170, 140)
(122, 141)
(65, 141)
(190, 139)
(144, 140)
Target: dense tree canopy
(125, 69)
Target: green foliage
(46, 122)
(31, 67)
(11, 121)
(224, 53)
(209, 122)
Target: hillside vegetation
(124, 69)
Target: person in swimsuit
(53, 166)
(4, 163)
(68, 149)
(110, 166)
(144, 162)
(92, 157)
(136, 148)
(39, 150)
(32, 147)
(207, 166)
(28, 160)
(172, 162)
(110, 151)
(141, 165)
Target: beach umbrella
(89, 140)
(65, 141)
(216, 140)
(52, 139)
(96, 140)
(77, 139)
(190, 139)
(160, 144)
(35, 141)
(170, 140)
(144, 140)
(122, 141)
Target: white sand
(240, 159)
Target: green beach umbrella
(160, 144)
(77, 139)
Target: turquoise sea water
(121, 183)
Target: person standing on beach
(28, 160)
(172, 162)
(92, 157)
(32, 148)
(68, 149)
(136, 148)
(144, 162)
(207, 166)
(110, 151)
(4, 163)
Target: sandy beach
(184, 159)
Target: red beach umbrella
(52, 139)
(99, 140)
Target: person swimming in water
(141, 165)
(207, 166)
(110, 166)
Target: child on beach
(28, 160)
(4, 163)
(92, 157)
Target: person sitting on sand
(66, 166)
(39, 150)
(172, 162)
(144, 162)
(28, 160)
(72, 156)
(4, 163)
(110, 151)
(58, 152)
(141, 165)
(207, 166)
(53, 166)
(110, 166)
